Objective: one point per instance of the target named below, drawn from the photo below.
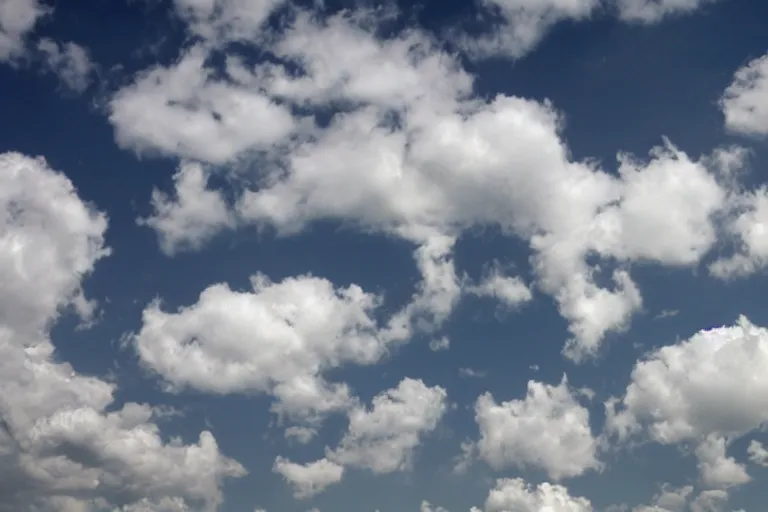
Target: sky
(359, 256)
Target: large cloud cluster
(60, 447)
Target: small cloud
(666, 313)
(464, 460)
(534, 367)
(69, 61)
(440, 344)
(472, 374)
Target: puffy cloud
(548, 430)
(277, 338)
(669, 499)
(59, 447)
(69, 61)
(515, 495)
(193, 216)
(17, 19)
(757, 453)
(309, 479)
(183, 110)
(745, 101)
(708, 390)
(443, 343)
(717, 470)
(510, 291)
(222, 21)
(713, 383)
(525, 23)
(381, 439)
(748, 225)
(428, 507)
(448, 167)
(436, 163)
(710, 501)
(48, 239)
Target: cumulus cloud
(757, 453)
(669, 499)
(278, 338)
(381, 439)
(547, 430)
(514, 494)
(69, 61)
(745, 101)
(510, 291)
(17, 19)
(182, 110)
(384, 437)
(309, 479)
(437, 162)
(63, 445)
(707, 390)
(748, 226)
(718, 470)
(222, 21)
(193, 216)
(525, 23)
(710, 501)
(428, 507)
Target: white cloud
(69, 61)
(710, 501)
(745, 101)
(59, 447)
(48, 238)
(184, 111)
(309, 479)
(443, 343)
(516, 495)
(707, 390)
(428, 507)
(381, 439)
(437, 162)
(713, 383)
(278, 338)
(748, 226)
(669, 499)
(193, 216)
(652, 11)
(17, 19)
(471, 373)
(525, 23)
(222, 21)
(718, 470)
(510, 291)
(547, 430)
(757, 453)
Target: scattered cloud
(547, 430)
(64, 444)
(745, 101)
(381, 439)
(706, 390)
(69, 61)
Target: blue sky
(355, 256)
